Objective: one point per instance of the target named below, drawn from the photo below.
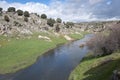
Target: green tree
(43, 16)
(11, 9)
(50, 22)
(20, 12)
(1, 9)
(58, 20)
(26, 14)
(69, 24)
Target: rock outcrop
(17, 25)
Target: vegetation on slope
(20, 53)
(104, 60)
(99, 68)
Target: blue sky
(69, 10)
(25, 1)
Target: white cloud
(55, 9)
(94, 1)
(70, 10)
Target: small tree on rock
(20, 12)
(58, 20)
(69, 24)
(26, 14)
(43, 16)
(1, 9)
(11, 9)
(50, 22)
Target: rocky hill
(18, 25)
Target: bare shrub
(97, 44)
(104, 45)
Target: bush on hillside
(69, 24)
(19, 12)
(37, 14)
(1, 9)
(58, 20)
(11, 9)
(97, 44)
(6, 18)
(26, 14)
(43, 16)
(104, 45)
(50, 22)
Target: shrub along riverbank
(16, 54)
(99, 68)
(105, 58)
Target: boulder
(82, 45)
(68, 38)
(44, 37)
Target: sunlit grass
(16, 54)
(90, 68)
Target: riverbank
(16, 54)
(99, 68)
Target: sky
(69, 10)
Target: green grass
(78, 36)
(16, 54)
(91, 68)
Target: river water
(56, 64)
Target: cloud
(94, 1)
(72, 10)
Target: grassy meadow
(92, 68)
(16, 54)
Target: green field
(16, 54)
(79, 36)
(95, 68)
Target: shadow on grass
(102, 72)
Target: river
(56, 64)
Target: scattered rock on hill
(44, 38)
(68, 38)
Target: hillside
(17, 25)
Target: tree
(1, 9)
(58, 20)
(6, 18)
(43, 16)
(69, 24)
(50, 22)
(20, 12)
(103, 44)
(11, 9)
(26, 14)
